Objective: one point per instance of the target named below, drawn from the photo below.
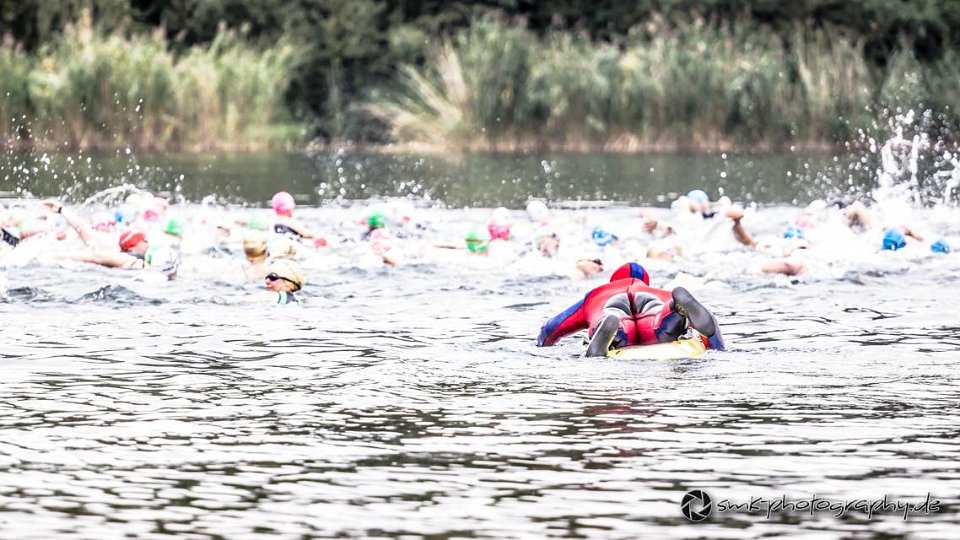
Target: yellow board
(684, 348)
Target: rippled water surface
(412, 401)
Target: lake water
(412, 402)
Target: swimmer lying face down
(627, 311)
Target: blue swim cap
(601, 237)
(793, 232)
(698, 195)
(894, 240)
(940, 247)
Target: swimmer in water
(546, 241)
(375, 221)
(285, 224)
(627, 312)
(284, 278)
(133, 243)
(255, 251)
(795, 244)
(586, 268)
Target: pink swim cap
(102, 221)
(498, 231)
(283, 203)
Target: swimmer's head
(893, 240)
(282, 248)
(817, 205)
(284, 275)
(133, 241)
(793, 232)
(547, 241)
(537, 210)
(103, 221)
(376, 220)
(602, 238)
(255, 222)
(498, 231)
(254, 245)
(698, 196)
(174, 228)
(476, 241)
(283, 203)
(500, 215)
(154, 207)
(804, 220)
(127, 213)
(163, 259)
(940, 247)
(660, 253)
(590, 267)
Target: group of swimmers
(143, 233)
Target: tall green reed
(695, 85)
(97, 91)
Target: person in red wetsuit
(628, 311)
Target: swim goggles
(273, 276)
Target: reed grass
(690, 86)
(90, 90)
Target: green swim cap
(254, 222)
(376, 220)
(174, 228)
(477, 242)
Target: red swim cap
(129, 239)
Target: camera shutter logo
(696, 505)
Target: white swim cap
(537, 210)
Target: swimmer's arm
(563, 324)
(787, 267)
(79, 224)
(106, 258)
(300, 229)
(739, 231)
(912, 233)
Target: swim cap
(102, 221)
(498, 231)
(126, 214)
(254, 244)
(254, 222)
(164, 259)
(376, 220)
(793, 232)
(155, 207)
(477, 242)
(940, 247)
(282, 248)
(698, 196)
(500, 215)
(283, 203)
(537, 210)
(804, 221)
(174, 228)
(894, 240)
(474, 235)
(631, 270)
(817, 205)
(131, 238)
(289, 270)
(601, 237)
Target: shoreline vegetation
(492, 85)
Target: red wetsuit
(645, 313)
